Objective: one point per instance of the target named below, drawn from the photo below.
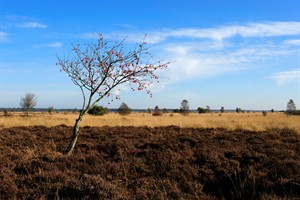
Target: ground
(149, 163)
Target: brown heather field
(232, 156)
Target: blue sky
(224, 53)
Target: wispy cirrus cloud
(286, 76)
(248, 30)
(202, 52)
(188, 63)
(203, 59)
(11, 21)
(292, 42)
(3, 36)
(31, 24)
(55, 44)
(52, 45)
(262, 29)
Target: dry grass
(231, 121)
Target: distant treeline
(134, 110)
(295, 112)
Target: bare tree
(208, 109)
(291, 106)
(222, 109)
(185, 109)
(98, 68)
(28, 102)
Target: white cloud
(203, 52)
(209, 59)
(250, 30)
(52, 45)
(55, 44)
(11, 21)
(262, 29)
(286, 76)
(292, 42)
(3, 36)
(31, 25)
(189, 64)
(91, 35)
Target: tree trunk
(74, 137)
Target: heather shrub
(157, 114)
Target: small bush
(97, 110)
(264, 113)
(176, 111)
(75, 110)
(6, 113)
(202, 110)
(296, 112)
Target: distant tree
(157, 111)
(291, 106)
(99, 68)
(222, 109)
(164, 110)
(51, 110)
(28, 102)
(185, 109)
(272, 110)
(207, 108)
(97, 110)
(149, 111)
(238, 110)
(201, 110)
(124, 109)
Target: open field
(149, 163)
(207, 156)
(230, 121)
